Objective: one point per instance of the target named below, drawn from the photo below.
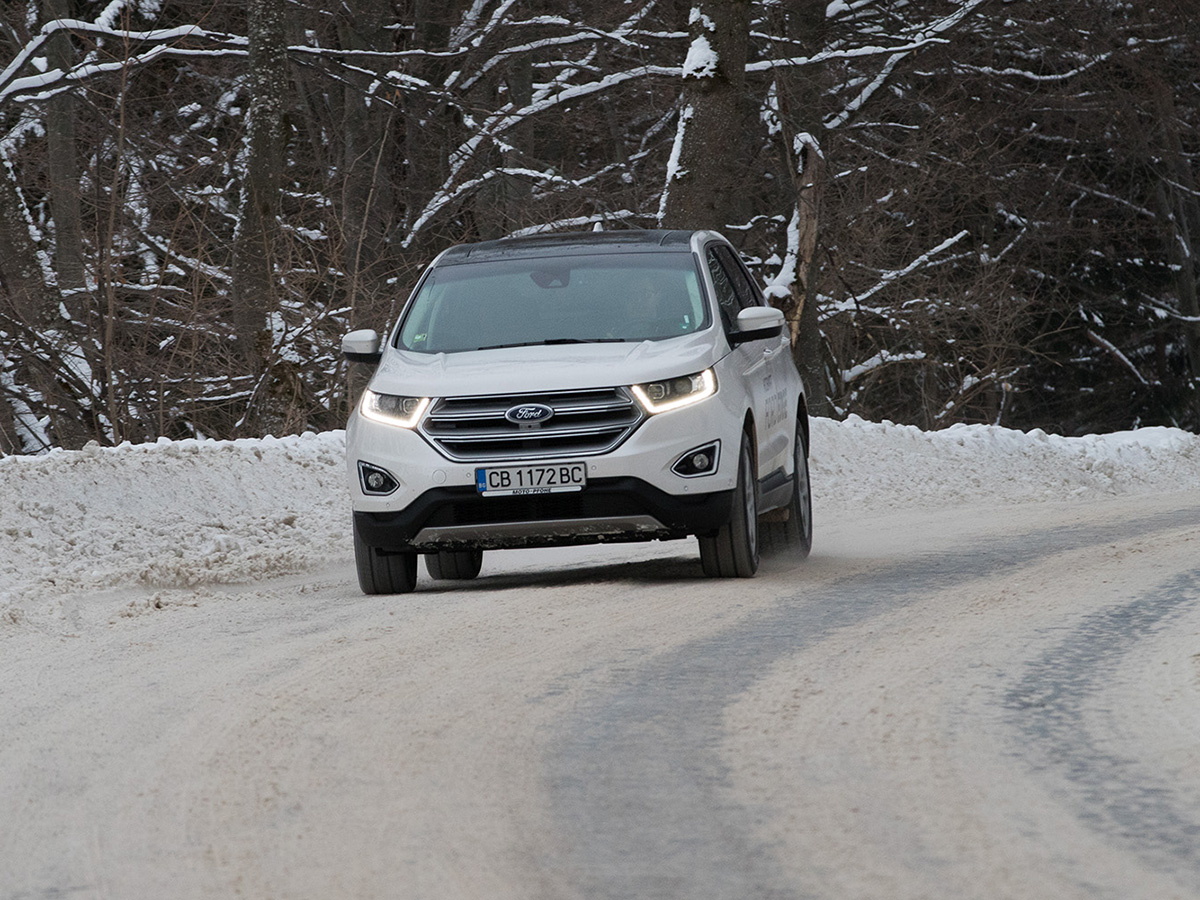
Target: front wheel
(453, 565)
(383, 573)
(733, 551)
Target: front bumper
(608, 509)
(631, 491)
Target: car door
(757, 362)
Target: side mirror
(757, 323)
(362, 346)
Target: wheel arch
(802, 419)
(751, 431)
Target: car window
(727, 296)
(747, 293)
(554, 299)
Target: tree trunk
(28, 309)
(256, 237)
(1172, 208)
(367, 194)
(707, 158)
(1179, 211)
(799, 91)
(10, 442)
(427, 126)
(28, 300)
(499, 203)
(63, 172)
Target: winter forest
(970, 210)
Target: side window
(727, 297)
(746, 292)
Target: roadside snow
(857, 463)
(170, 514)
(187, 513)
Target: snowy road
(986, 700)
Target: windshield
(555, 300)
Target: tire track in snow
(1112, 792)
(638, 780)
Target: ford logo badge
(529, 412)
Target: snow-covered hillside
(186, 513)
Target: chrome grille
(585, 423)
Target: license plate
(508, 480)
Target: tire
(453, 565)
(733, 551)
(794, 534)
(383, 573)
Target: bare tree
(63, 169)
(968, 211)
(256, 247)
(797, 93)
(701, 183)
(29, 297)
(25, 306)
(369, 129)
(1177, 205)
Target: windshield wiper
(583, 341)
(552, 341)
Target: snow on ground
(857, 463)
(170, 514)
(187, 513)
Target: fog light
(375, 480)
(698, 461)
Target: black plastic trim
(602, 498)
(364, 468)
(713, 446)
(753, 334)
(774, 491)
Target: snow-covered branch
(1040, 77)
(880, 359)
(600, 218)
(887, 278)
(509, 117)
(447, 197)
(1115, 351)
(923, 36)
(190, 40)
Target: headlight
(389, 409)
(672, 393)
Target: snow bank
(859, 464)
(169, 514)
(186, 513)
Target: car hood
(559, 367)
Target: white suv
(578, 388)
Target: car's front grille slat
(562, 434)
(585, 423)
